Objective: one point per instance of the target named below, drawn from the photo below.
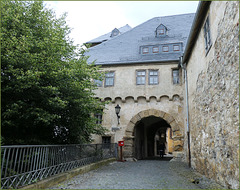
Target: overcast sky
(90, 19)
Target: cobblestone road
(143, 174)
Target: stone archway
(129, 133)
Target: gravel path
(143, 174)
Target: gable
(161, 31)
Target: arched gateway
(140, 141)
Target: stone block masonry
(215, 117)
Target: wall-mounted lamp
(117, 110)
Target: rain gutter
(201, 12)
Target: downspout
(186, 93)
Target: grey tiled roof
(107, 36)
(125, 48)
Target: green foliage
(47, 85)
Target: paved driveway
(143, 174)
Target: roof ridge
(134, 28)
(177, 15)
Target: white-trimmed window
(175, 75)
(165, 48)
(155, 49)
(207, 35)
(109, 79)
(176, 48)
(153, 77)
(161, 31)
(145, 50)
(141, 77)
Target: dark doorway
(149, 133)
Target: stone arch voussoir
(151, 112)
(129, 133)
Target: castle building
(176, 81)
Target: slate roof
(107, 36)
(126, 48)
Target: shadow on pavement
(165, 158)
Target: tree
(47, 84)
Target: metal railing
(25, 164)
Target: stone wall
(174, 123)
(129, 115)
(214, 102)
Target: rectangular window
(106, 141)
(141, 77)
(98, 117)
(161, 31)
(165, 48)
(145, 50)
(109, 79)
(176, 48)
(155, 49)
(153, 77)
(176, 79)
(207, 36)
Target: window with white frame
(165, 49)
(176, 48)
(161, 31)
(109, 79)
(207, 35)
(141, 77)
(155, 49)
(145, 50)
(153, 77)
(175, 75)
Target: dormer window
(115, 32)
(145, 50)
(161, 31)
(155, 49)
(176, 48)
(165, 48)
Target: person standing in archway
(162, 150)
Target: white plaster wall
(134, 98)
(125, 82)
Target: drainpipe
(186, 92)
